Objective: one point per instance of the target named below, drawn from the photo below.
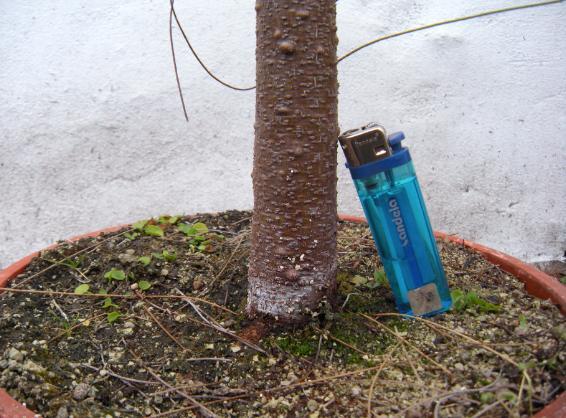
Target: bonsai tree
(293, 255)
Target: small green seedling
(113, 316)
(195, 229)
(508, 396)
(131, 235)
(379, 277)
(144, 284)
(153, 231)
(107, 303)
(471, 301)
(487, 397)
(143, 227)
(145, 260)
(74, 263)
(139, 225)
(166, 219)
(378, 280)
(165, 255)
(82, 289)
(523, 324)
(198, 243)
(115, 274)
(196, 232)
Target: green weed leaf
(186, 229)
(82, 289)
(167, 256)
(115, 274)
(145, 260)
(113, 316)
(107, 303)
(153, 231)
(166, 219)
(132, 235)
(144, 284)
(200, 228)
(523, 321)
(139, 225)
(379, 277)
(196, 229)
(471, 301)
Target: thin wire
(175, 61)
(445, 22)
(359, 48)
(200, 61)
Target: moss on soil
(62, 356)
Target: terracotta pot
(536, 283)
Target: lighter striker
(390, 194)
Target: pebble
(126, 258)
(32, 367)
(126, 331)
(356, 391)
(81, 391)
(115, 356)
(164, 272)
(198, 283)
(312, 405)
(459, 367)
(559, 332)
(14, 354)
(62, 412)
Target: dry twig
(202, 408)
(91, 247)
(414, 347)
(165, 330)
(116, 296)
(376, 376)
(215, 325)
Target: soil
(184, 347)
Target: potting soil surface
(150, 321)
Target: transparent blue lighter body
(397, 216)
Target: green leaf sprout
(82, 289)
(115, 274)
(144, 284)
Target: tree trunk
(293, 255)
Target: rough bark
(293, 255)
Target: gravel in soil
(152, 323)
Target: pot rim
(537, 283)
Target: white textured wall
(91, 132)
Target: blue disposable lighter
(389, 191)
